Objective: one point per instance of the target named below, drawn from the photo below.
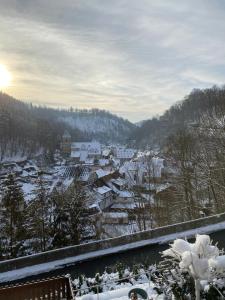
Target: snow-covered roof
(131, 205)
(115, 215)
(126, 194)
(75, 154)
(89, 161)
(158, 187)
(119, 181)
(91, 147)
(103, 162)
(102, 173)
(82, 155)
(94, 205)
(128, 166)
(103, 190)
(153, 166)
(126, 153)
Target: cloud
(135, 58)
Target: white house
(124, 154)
(82, 151)
(104, 196)
(141, 172)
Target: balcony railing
(57, 288)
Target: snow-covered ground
(116, 285)
(122, 293)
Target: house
(93, 148)
(103, 162)
(131, 172)
(82, 151)
(124, 201)
(124, 154)
(97, 174)
(119, 183)
(142, 172)
(101, 176)
(104, 196)
(123, 198)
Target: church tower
(66, 143)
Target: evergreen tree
(59, 219)
(12, 218)
(78, 222)
(39, 214)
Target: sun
(5, 77)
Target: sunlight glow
(5, 77)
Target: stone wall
(71, 251)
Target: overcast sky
(132, 57)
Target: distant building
(124, 154)
(83, 151)
(141, 173)
(66, 143)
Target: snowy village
(112, 150)
(107, 176)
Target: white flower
(218, 263)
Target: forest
(27, 129)
(47, 222)
(191, 136)
(190, 111)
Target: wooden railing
(57, 288)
